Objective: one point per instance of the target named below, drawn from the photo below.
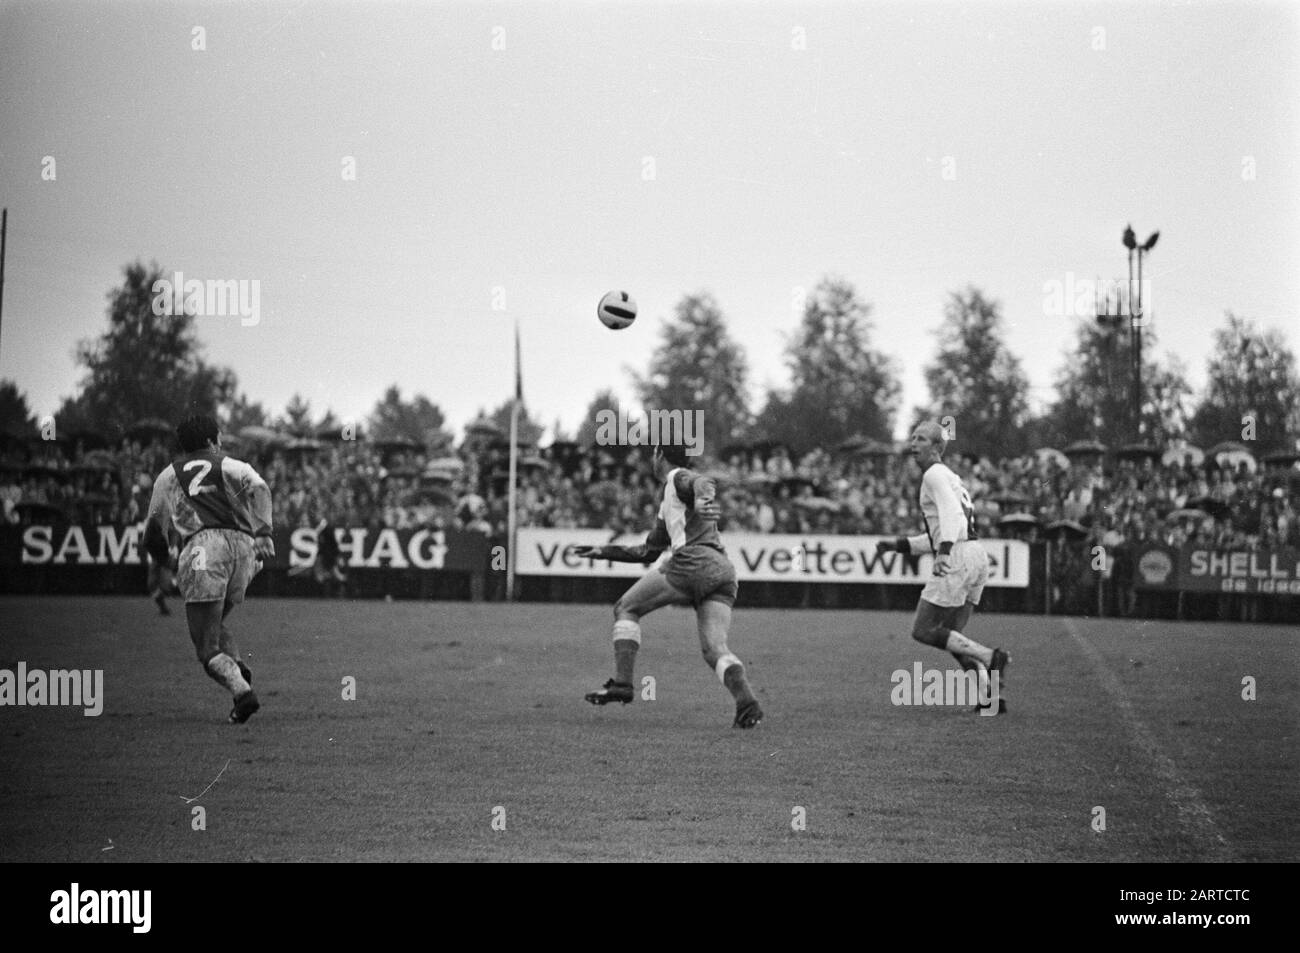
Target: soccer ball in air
(616, 310)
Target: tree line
(842, 388)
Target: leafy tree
(417, 419)
(1168, 401)
(16, 416)
(530, 430)
(1095, 391)
(698, 366)
(297, 417)
(976, 380)
(329, 421)
(840, 387)
(604, 400)
(1037, 433)
(144, 365)
(76, 416)
(1251, 374)
(558, 432)
(242, 413)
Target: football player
(221, 509)
(161, 581)
(327, 568)
(695, 571)
(961, 564)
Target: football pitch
(468, 740)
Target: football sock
(731, 672)
(627, 639)
(224, 669)
(959, 645)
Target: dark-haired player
(697, 572)
(326, 568)
(961, 564)
(221, 510)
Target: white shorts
(968, 571)
(216, 565)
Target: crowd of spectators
(54, 481)
(1088, 497)
(1131, 500)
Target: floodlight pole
(4, 228)
(1136, 319)
(1135, 325)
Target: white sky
(522, 168)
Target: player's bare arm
(656, 542)
(157, 523)
(619, 554)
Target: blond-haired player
(961, 565)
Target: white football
(616, 310)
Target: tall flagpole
(511, 524)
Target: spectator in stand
(10, 494)
(600, 487)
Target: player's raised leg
(941, 626)
(934, 625)
(652, 591)
(961, 617)
(938, 626)
(714, 620)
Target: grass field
(462, 708)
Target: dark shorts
(703, 574)
(161, 578)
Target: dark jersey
(678, 526)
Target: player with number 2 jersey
(221, 510)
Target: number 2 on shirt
(197, 485)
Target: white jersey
(209, 490)
(946, 508)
